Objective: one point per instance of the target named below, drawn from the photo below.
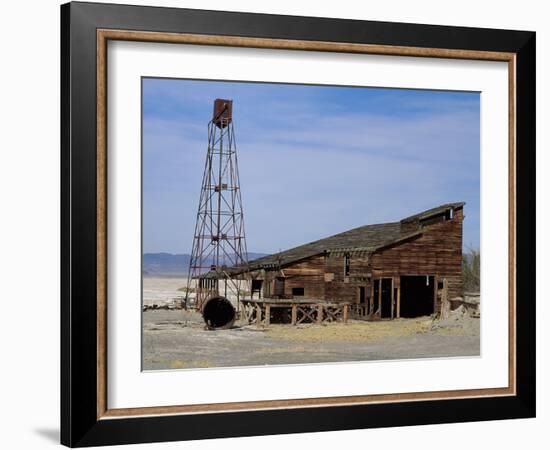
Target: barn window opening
(256, 288)
(298, 291)
(346, 264)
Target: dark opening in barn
(375, 294)
(417, 296)
(298, 291)
(280, 315)
(386, 308)
(362, 298)
(256, 288)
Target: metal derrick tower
(219, 242)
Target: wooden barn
(382, 271)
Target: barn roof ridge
(367, 237)
(433, 211)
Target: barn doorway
(382, 298)
(362, 297)
(386, 299)
(417, 296)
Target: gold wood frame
(103, 36)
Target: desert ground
(177, 339)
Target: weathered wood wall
(307, 274)
(437, 252)
(343, 288)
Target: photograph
(298, 224)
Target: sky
(314, 160)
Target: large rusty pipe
(218, 313)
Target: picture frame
(86, 418)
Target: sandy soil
(178, 340)
(163, 290)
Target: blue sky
(313, 160)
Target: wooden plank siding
(343, 288)
(437, 252)
(307, 274)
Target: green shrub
(470, 270)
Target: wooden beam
(436, 282)
(399, 302)
(379, 310)
(319, 313)
(445, 304)
(294, 314)
(345, 314)
(371, 298)
(392, 297)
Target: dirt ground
(176, 339)
(161, 290)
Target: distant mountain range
(170, 264)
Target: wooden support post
(294, 314)
(445, 304)
(345, 313)
(399, 302)
(436, 282)
(258, 315)
(319, 313)
(371, 299)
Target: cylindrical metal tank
(218, 313)
(223, 110)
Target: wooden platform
(260, 311)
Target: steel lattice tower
(219, 241)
